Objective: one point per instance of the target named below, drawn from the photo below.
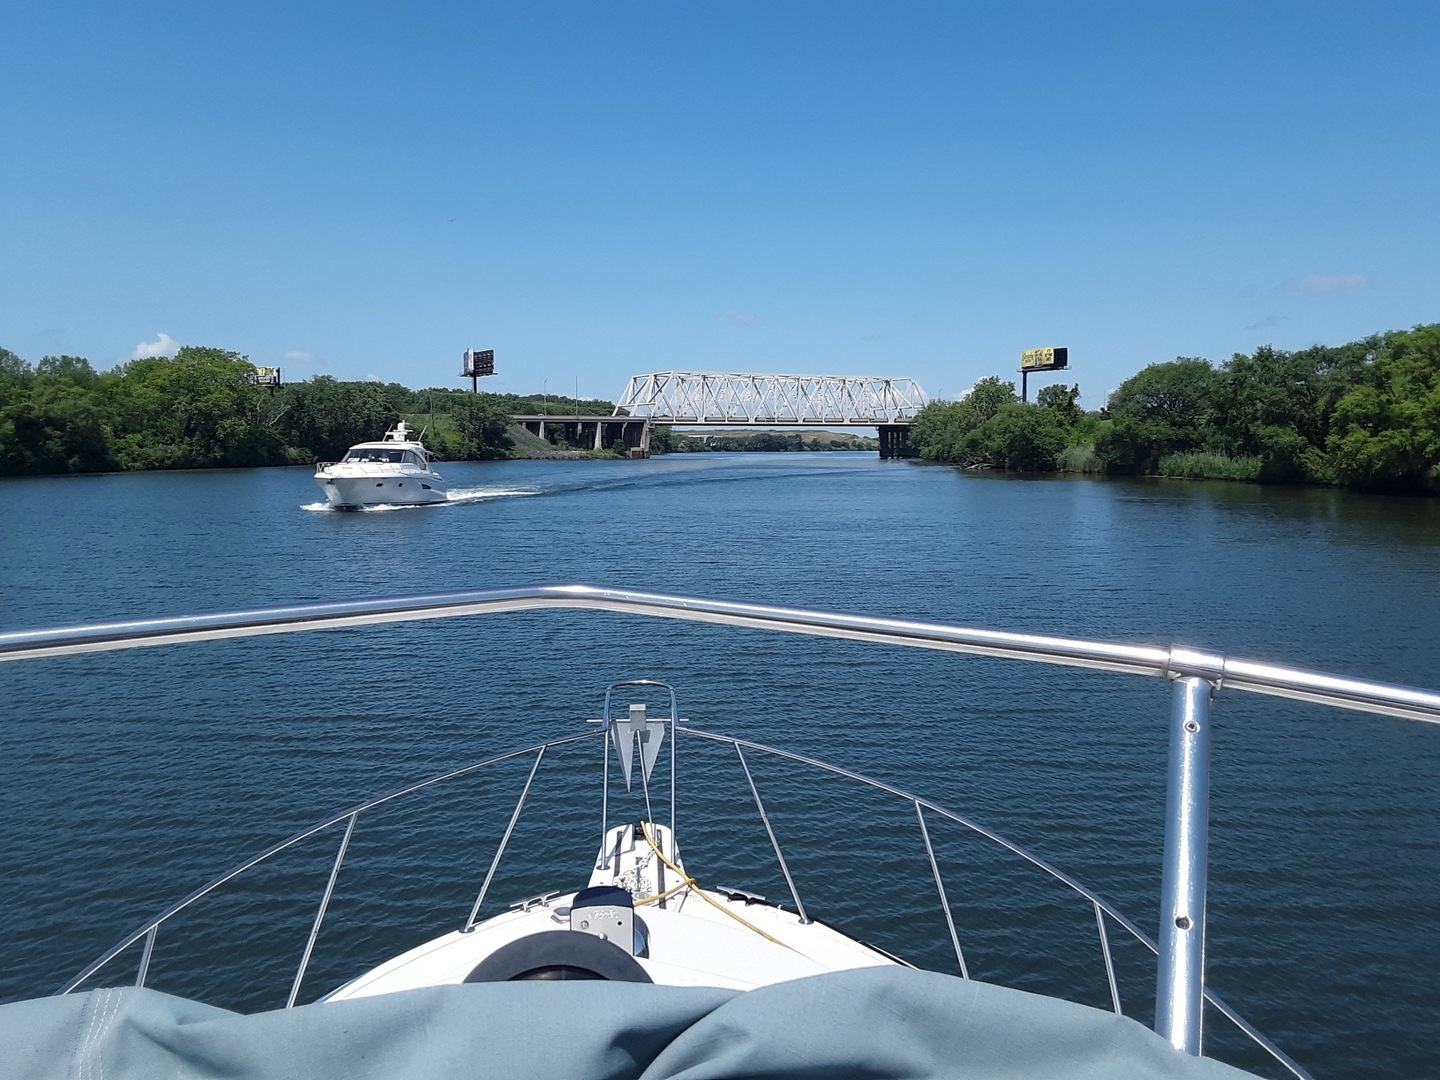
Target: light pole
(545, 397)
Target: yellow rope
(686, 882)
(667, 893)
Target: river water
(128, 779)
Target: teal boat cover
(874, 1022)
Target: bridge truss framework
(686, 397)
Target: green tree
(482, 426)
(199, 409)
(1022, 437)
(1063, 401)
(72, 369)
(1385, 430)
(946, 431)
(58, 428)
(326, 417)
(15, 377)
(985, 399)
(1164, 409)
(13, 370)
(1276, 405)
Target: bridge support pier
(895, 441)
(593, 432)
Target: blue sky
(596, 190)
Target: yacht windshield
(377, 454)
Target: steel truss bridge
(695, 398)
(685, 397)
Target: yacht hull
(395, 471)
(395, 489)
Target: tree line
(203, 408)
(1364, 415)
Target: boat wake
(455, 497)
(462, 496)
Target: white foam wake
(455, 497)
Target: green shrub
(1080, 459)
(1199, 466)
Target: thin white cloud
(1269, 322)
(304, 360)
(164, 345)
(1317, 284)
(742, 318)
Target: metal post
(146, 954)
(504, 840)
(604, 863)
(674, 738)
(1180, 977)
(779, 855)
(940, 888)
(320, 914)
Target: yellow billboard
(1051, 359)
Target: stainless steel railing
(1168, 663)
(1194, 674)
(1106, 913)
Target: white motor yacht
(396, 471)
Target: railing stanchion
(674, 741)
(779, 855)
(604, 863)
(320, 912)
(1109, 961)
(940, 888)
(146, 954)
(504, 842)
(1180, 976)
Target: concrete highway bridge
(713, 399)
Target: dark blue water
(128, 779)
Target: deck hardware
(625, 731)
(538, 900)
(732, 893)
